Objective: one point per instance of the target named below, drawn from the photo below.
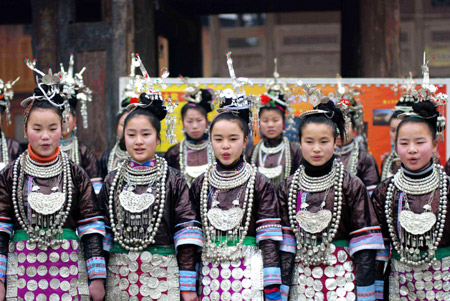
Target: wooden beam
(380, 33)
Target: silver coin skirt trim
(58, 273)
(142, 276)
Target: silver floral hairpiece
(150, 92)
(73, 85)
(52, 81)
(6, 95)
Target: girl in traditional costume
(44, 199)
(76, 91)
(412, 205)
(9, 148)
(350, 152)
(239, 212)
(274, 155)
(156, 232)
(193, 154)
(112, 158)
(330, 230)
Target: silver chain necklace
(417, 230)
(72, 150)
(306, 225)
(386, 172)
(54, 221)
(134, 221)
(5, 156)
(116, 157)
(283, 146)
(184, 147)
(212, 219)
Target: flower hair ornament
(235, 101)
(409, 95)
(6, 95)
(151, 99)
(427, 94)
(347, 100)
(279, 95)
(74, 89)
(313, 95)
(48, 89)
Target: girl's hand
(96, 290)
(189, 296)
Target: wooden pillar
(145, 39)
(350, 39)
(44, 33)
(270, 44)
(380, 37)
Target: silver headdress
(48, 89)
(313, 95)
(427, 93)
(235, 101)
(154, 96)
(350, 105)
(134, 86)
(6, 95)
(74, 89)
(196, 95)
(279, 95)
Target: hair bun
(336, 114)
(154, 103)
(206, 99)
(426, 109)
(57, 98)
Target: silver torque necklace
(417, 230)
(134, 221)
(213, 219)
(44, 229)
(308, 225)
(184, 147)
(283, 147)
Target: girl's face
(415, 145)
(194, 124)
(71, 124)
(228, 141)
(317, 143)
(393, 128)
(43, 131)
(120, 125)
(141, 139)
(271, 123)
